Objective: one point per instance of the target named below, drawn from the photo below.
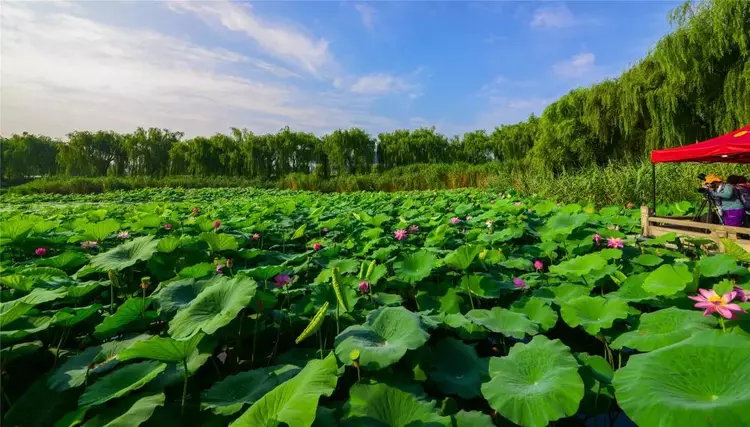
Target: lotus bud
(229, 262)
(145, 282)
(483, 255)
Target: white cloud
(504, 110)
(284, 42)
(577, 66)
(380, 84)
(553, 17)
(61, 72)
(367, 13)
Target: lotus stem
(111, 298)
(184, 387)
(320, 342)
(721, 322)
(337, 319)
(239, 335)
(255, 338)
(468, 289)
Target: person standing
(732, 210)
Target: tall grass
(612, 184)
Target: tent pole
(653, 186)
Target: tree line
(694, 84)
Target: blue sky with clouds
(204, 66)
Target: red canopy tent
(733, 147)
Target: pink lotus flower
(413, 228)
(218, 269)
(713, 303)
(40, 251)
(518, 283)
(455, 220)
(195, 211)
(615, 242)
(742, 294)
(364, 287)
(468, 217)
(489, 223)
(281, 280)
(597, 239)
(400, 234)
(325, 229)
(168, 226)
(538, 265)
(123, 235)
(217, 224)
(256, 236)
(89, 244)
(317, 246)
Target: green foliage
(83, 331)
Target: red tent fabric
(733, 147)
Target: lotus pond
(456, 308)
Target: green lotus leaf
(383, 340)
(518, 264)
(121, 382)
(16, 230)
(668, 279)
(380, 405)
(97, 359)
(735, 251)
(437, 237)
(131, 411)
(462, 257)
(266, 272)
(163, 349)
(465, 328)
(701, 381)
(414, 267)
(213, 308)
(664, 327)
(83, 289)
(536, 383)
(219, 241)
(661, 240)
(480, 286)
(18, 282)
(455, 368)
(178, 294)
(593, 313)
(382, 298)
(169, 244)
(632, 290)
(295, 401)
(538, 311)
(100, 230)
(579, 266)
(231, 394)
(299, 232)
(717, 265)
(132, 313)
(65, 261)
(562, 293)
(647, 260)
(126, 254)
(503, 321)
(68, 317)
(597, 366)
(471, 419)
(13, 310)
(197, 271)
(18, 351)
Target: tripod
(710, 205)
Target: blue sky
(204, 66)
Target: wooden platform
(655, 226)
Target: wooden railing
(655, 226)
